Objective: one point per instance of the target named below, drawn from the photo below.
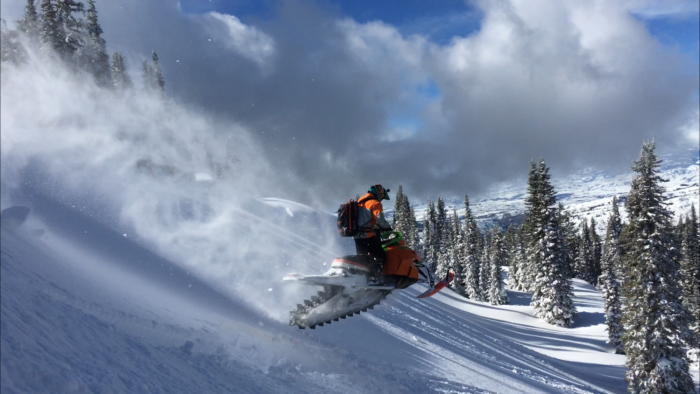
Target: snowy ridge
(586, 194)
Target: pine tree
(120, 76)
(530, 228)
(655, 319)
(523, 263)
(457, 252)
(445, 245)
(415, 242)
(570, 246)
(609, 285)
(444, 264)
(690, 273)
(10, 48)
(407, 221)
(397, 224)
(441, 227)
(471, 262)
(596, 252)
(552, 294)
(30, 24)
(511, 246)
(485, 268)
(147, 76)
(455, 226)
(584, 262)
(430, 235)
(51, 33)
(498, 257)
(158, 81)
(72, 28)
(93, 55)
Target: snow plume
(179, 181)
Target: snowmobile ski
(438, 286)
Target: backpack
(347, 219)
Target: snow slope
(86, 309)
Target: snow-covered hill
(87, 309)
(586, 194)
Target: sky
(443, 97)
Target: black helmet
(379, 192)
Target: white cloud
(245, 40)
(691, 129)
(650, 9)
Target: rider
(370, 220)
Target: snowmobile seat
(356, 264)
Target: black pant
(372, 248)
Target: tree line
(647, 268)
(71, 32)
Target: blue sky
(439, 19)
(683, 33)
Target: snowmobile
(349, 287)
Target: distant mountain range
(586, 193)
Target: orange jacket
(370, 213)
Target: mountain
(587, 193)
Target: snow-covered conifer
(93, 55)
(415, 242)
(29, 25)
(608, 283)
(485, 268)
(401, 215)
(72, 27)
(408, 221)
(552, 293)
(430, 238)
(570, 233)
(510, 242)
(51, 31)
(10, 48)
(498, 257)
(158, 80)
(584, 261)
(445, 246)
(523, 264)
(596, 252)
(397, 209)
(530, 228)
(120, 76)
(690, 272)
(654, 318)
(457, 252)
(471, 262)
(147, 77)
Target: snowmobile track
(296, 317)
